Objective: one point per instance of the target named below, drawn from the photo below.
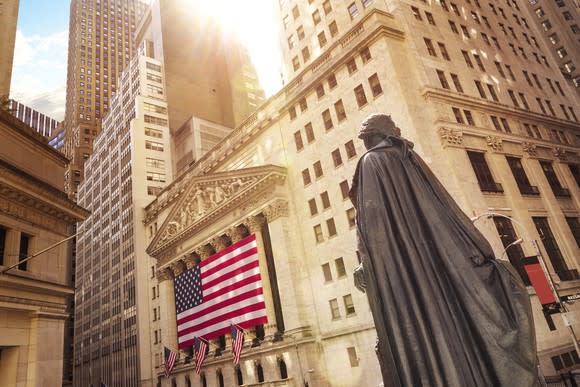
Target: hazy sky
(40, 55)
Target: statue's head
(377, 127)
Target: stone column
(168, 318)
(254, 225)
(286, 262)
(45, 349)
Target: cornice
(22, 283)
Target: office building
(559, 22)
(489, 112)
(8, 21)
(100, 46)
(35, 215)
(42, 123)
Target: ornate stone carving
(178, 267)
(495, 143)
(220, 242)
(559, 153)
(236, 233)
(164, 274)
(529, 148)
(276, 210)
(204, 251)
(451, 136)
(254, 223)
(191, 260)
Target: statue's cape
(447, 313)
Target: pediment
(207, 197)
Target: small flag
(199, 348)
(170, 357)
(237, 342)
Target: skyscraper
(100, 46)
(38, 121)
(489, 111)
(8, 20)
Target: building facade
(489, 112)
(100, 46)
(8, 21)
(42, 123)
(35, 215)
(560, 24)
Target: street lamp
(542, 262)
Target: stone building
(8, 21)
(35, 215)
(489, 112)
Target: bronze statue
(447, 313)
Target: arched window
(240, 377)
(283, 370)
(220, 378)
(202, 380)
(260, 372)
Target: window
(336, 157)
(292, 112)
(316, 17)
(467, 58)
(430, 48)
(303, 105)
(327, 7)
(351, 217)
(361, 98)
(524, 101)
(23, 251)
(521, 178)
(318, 234)
(443, 51)
(453, 27)
(334, 310)
(327, 119)
(295, 12)
(465, 31)
(320, 90)
(458, 116)
(480, 89)
(469, 117)
(326, 272)
(513, 98)
(554, 253)
(333, 28)
(300, 32)
(295, 63)
(309, 132)
(550, 174)
(483, 173)
(495, 122)
(514, 252)
(305, 54)
(298, 141)
(154, 163)
(455, 9)
(492, 92)
(3, 233)
(375, 85)
(322, 39)
(351, 66)
(156, 146)
(331, 227)
(313, 207)
(479, 62)
(353, 10)
(352, 356)
(456, 82)
(442, 79)
(340, 112)
(350, 149)
(574, 170)
(325, 200)
(365, 55)
(306, 179)
(291, 41)
(430, 18)
(344, 189)
(332, 81)
(153, 176)
(366, 3)
(416, 13)
(348, 305)
(318, 173)
(574, 225)
(506, 126)
(153, 133)
(340, 268)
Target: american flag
(237, 342)
(170, 357)
(199, 348)
(223, 289)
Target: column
(254, 225)
(168, 321)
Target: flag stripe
(223, 289)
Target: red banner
(539, 280)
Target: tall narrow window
(348, 305)
(3, 233)
(521, 177)
(327, 120)
(457, 83)
(575, 171)
(352, 357)
(430, 48)
(340, 112)
(326, 272)
(331, 227)
(514, 251)
(553, 250)
(23, 251)
(550, 174)
(340, 268)
(361, 98)
(442, 79)
(350, 149)
(483, 173)
(375, 85)
(574, 228)
(298, 141)
(334, 310)
(309, 132)
(336, 158)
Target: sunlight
(253, 22)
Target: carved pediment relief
(207, 197)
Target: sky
(40, 53)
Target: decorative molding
(530, 149)
(560, 153)
(178, 267)
(495, 143)
(451, 137)
(236, 234)
(204, 251)
(164, 274)
(276, 210)
(220, 242)
(255, 223)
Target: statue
(447, 313)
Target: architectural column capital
(236, 234)
(203, 251)
(220, 242)
(191, 260)
(164, 274)
(530, 149)
(178, 267)
(254, 223)
(276, 210)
